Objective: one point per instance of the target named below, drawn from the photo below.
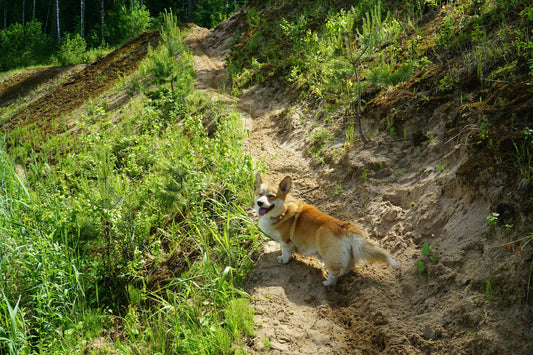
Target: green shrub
(72, 50)
(23, 45)
(171, 62)
(128, 22)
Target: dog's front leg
(331, 281)
(286, 252)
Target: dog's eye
(271, 196)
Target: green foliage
(524, 154)
(13, 338)
(23, 45)
(493, 219)
(209, 13)
(72, 50)
(426, 255)
(319, 138)
(323, 53)
(356, 45)
(171, 61)
(83, 237)
(127, 22)
(240, 318)
(37, 270)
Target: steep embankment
(449, 295)
(51, 93)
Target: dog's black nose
(260, 203)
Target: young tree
(354, 46)
(170, 59)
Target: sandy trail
(293, 310)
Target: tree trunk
(57, 21)
(102, 18)
(33, 12)
(82, 18)
(189, 11)
(47, 17)
(359, 110)
(23, 15)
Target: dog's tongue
(262, 211)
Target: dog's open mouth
(262, 211)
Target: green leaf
(421, 266)
(425, 250)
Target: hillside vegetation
(124, 191)
(122, 226)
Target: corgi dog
(302, 228)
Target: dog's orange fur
(301, 227)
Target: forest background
(71, 32)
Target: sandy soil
(407, 197)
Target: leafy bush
(72, 50)
(127, 22)
(23, 45)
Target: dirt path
(294, 312)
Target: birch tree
(82, 18)
(102, 17)
(57, 22)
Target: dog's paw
(282, 259)
(331, 281)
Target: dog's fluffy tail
(364, 252)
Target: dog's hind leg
(336, 254)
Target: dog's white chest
(266, 225)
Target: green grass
(87, 231)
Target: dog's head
(269, 198)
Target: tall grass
(135, 239)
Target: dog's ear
(258, 180)
(285, 185)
